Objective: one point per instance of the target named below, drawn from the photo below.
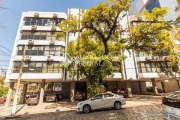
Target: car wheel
(86, 109)
(117, 105)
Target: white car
(102, 100)
(171, 106)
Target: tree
(99, 47)
(150, 33)
(1, 81)
(178, 5)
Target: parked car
(100, 101)
(32, 99)
(54, 97)
(120, 91)
(150, 89)
(171, 106)
(3, 100)
(81, 95)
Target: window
(108, 95)
(38, 67)
(99, 96)
(153, 66)
(20, 50)
(38, 35)
(42, 21)
(41, 50)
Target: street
(137, 108)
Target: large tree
(98, 49)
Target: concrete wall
(171, 86)
(135, 87)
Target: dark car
(120, 91)
(150, 89)
(54, 97)
(32, 100)
(81, 95)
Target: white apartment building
(44, 54)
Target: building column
(154, 86)
(9, 95)
(51, 87)
(178, 84)
(23, 94)
(140, 88)
(72, 91)
(163, 87)
(128, 88)
(41, 98)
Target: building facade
(150, 4)
(43, 53)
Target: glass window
(108, 95)
(56, 67)
(39, 64)
(45, 22)
(99, 96)
(142, 65)
(30, 36)
(40, 22)
(27, 21)
(32, 64)
(33, 21)
(17, 64)
(44, 69)
(43, 37)
(50, 67)
(24, 37)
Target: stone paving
(137, 108)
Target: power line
(5, 48)
(5, 53)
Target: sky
(10, 18)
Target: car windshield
(33, 96)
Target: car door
(97, 102)
(108, 100)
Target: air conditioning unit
(52, 42)
(27, 58)
(33, 27)
(148, 58)
(55, 15)
(36, 15)
(140, 18)
(31, 42)
(53, 28)
(50, 57)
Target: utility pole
(18, 83)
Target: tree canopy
(99, 48)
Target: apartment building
(169, 78)
(43, 53)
